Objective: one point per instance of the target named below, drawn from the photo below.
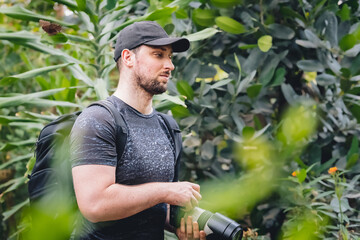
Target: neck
(134, 96)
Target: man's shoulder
(95, 111)
(93, 116)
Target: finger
(191, 204)
(179, 234)
(197, 195)
(188, 207)
(189, 231)
(194, 201)
(196, 230)
(202, 235)
(182, 226)
(195, 187)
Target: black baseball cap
(147, 33)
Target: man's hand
(190, 231)
(184, 194)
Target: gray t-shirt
(148, 156)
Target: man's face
(152, 68)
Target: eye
(158, 54)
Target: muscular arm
(101, 199)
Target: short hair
(118, 63)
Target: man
(128, 197)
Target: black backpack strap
(121, 128)
(175, 133)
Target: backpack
(52, 170)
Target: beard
(150, 85)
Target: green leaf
(21, 13)
(51, 103)
(328, 22)
(149, 16)
(80, 74)
(179, 3)
(305, 44)
(161, 13)
(69, 3)
(248, 132)
(27, 125)
(201, 35)
(265, 43)
(353, 159)
(12, 145)
(288, 93)
(30, 74)
(5, 120)
(7, 214)
(310, 66)
(207, 71)
(281, 31)
(301, 175)
(180, 111)
(55, 39)
(271, 62)
(181, 14)
(353, 154)
(207, 150)
(204, 17)
(20, 99)
(357, 32)
(164, 106)
(353, 52)
(81, 4)
(245, 82)
(166, 97)
(247, 46)
(344, 13)
(288, 12)
(325, 79)
(238, 64)
(279, 77)
(254, 90)
(341, 205)
(225, 3)
(110, 4)
(185, 89)
(15, 160)
(220, 83)
(347, 42)
(191, 141)
(100, 88)
(230, 25)
(21, 36)
(76, 38)
(32, 41)
(192, 70)
(312, 37)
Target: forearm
(120, 201)
(101, 199)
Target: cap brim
(177, 44)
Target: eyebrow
(161, 48)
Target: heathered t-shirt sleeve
(93, 137)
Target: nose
(169, 64)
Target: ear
(127, 57)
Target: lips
(165, 75)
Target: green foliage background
(249, 62)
